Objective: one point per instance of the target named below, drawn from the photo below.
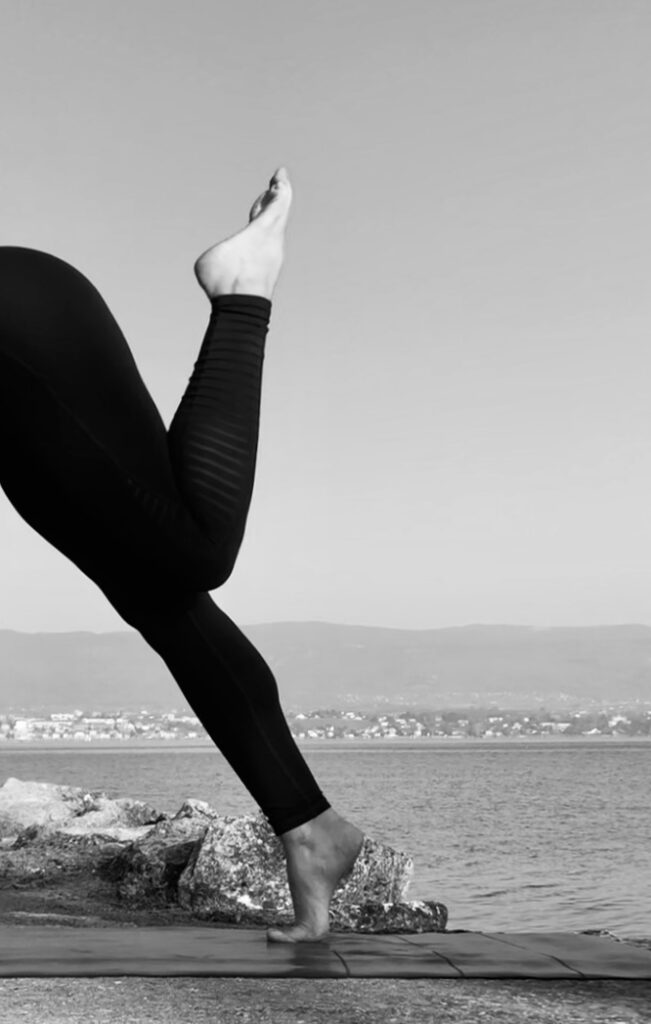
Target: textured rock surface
(237, 874)
(147, 870)
(41, 857)
(210, 867)
(389, 918)
(70, 809)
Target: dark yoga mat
(29, 951)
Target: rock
(71, 809)
(40, 856)
(240, 866)
(413, 916)
(213, 867)
(36, 803)
(147, 870)
(190, 808)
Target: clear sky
(456, 414)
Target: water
(514, 837)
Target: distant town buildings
(86, 726)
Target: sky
(456, 416)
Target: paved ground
(192, 1000)
(346, 1001)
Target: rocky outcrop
(72, 810)
(147, 870)
(238, 873)
(215, 867)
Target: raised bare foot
(319, 855)
(249, 262)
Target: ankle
(311, 831)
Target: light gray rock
(147, 870)
(36, 803)
(237, 873)
(72, 810)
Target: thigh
(83, 449)
(64, 484)
(55, 323)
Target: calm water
(514, 837)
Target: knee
(217, 575)
(131, 608)
(152, 610)
(218, 568)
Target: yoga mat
(29, 951)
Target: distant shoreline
(31, 746)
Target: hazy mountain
(321, 664)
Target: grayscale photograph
(325, 492)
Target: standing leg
(321, 850)
(233, 692)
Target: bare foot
(319, 855)
(249, 262)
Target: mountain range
(329, 665)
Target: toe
(280, 177)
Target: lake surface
(514, 836)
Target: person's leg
(86, 460)
(174, 503)
(102, 492)
(233, 692)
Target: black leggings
(154, 517)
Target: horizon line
(355, 625)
